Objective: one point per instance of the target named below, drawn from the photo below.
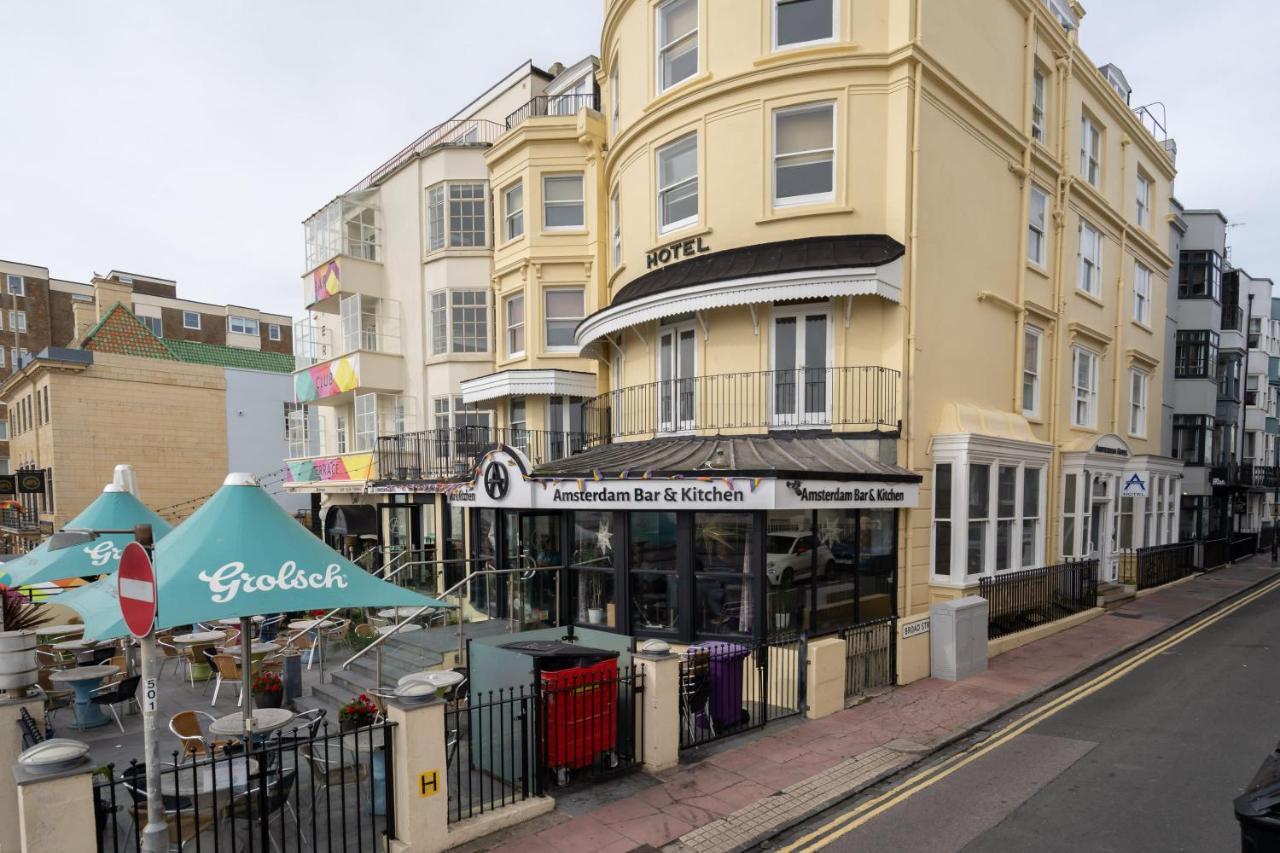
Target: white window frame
(513, 217)
(667, 227)
(273, 332)
(440, 205)
(663, 46)
(458, 303)
(1039, 102)
(240, 324)
(616, 105)
(835, 28)
(580, 203)
(1141, 293)
(439, 322)
(811, 198)
(1142, 213)
(186, 316)
(1090, 150)
(340, 432)
(20, 289)
(523, 325)
(1139, 384)
(366, 422)
(1089, 278)
(615, 225)
(17, 321)
(1038, 226)
(547, 319)
(437, 219)
(1084, 395)
(1031, 372)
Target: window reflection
(722, 561)
(654, 583)
(594, 600)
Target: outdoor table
(74, 645)
(387, 629)
(401, 612)
(199, 641)
(265, 721)
(84, 680)
(257, 651)
(312, 627)
(211, 783)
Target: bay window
(562, 202)
(564, 309)
(1006, 516)
(1195, 354)
(942, 519)
(979, 512)
(513, 211)
(515, 326)
(457, 214)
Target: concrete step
(1113, 595)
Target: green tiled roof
(121, 332)
(194, 352)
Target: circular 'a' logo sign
(496, 481)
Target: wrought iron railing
(727, 689)
(1246, 474)
(20, 519)
(870, 656)
(1243, 545)
(452, 454)
(552, 105)
(825, 397)
(469, 131)
(1145, 568)
(1034, 597)
(1214, 553)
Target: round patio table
(209, 785)
(412, 626)
(84, 680)
(257, 651)
(74, 645)
(312, 627)
(199, 641)
(401, 612)
(265, 721)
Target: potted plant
(357, 713)
(595, 599)
(268, 690)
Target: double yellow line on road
(880, 804)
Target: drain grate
(1125, 615)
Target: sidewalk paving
(728, 796)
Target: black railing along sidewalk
(870, 656)
(552, 105)
(1243, 545)
(302, 790)
(864, 396)
(1146, 568)
(1034, 597)
(1214, 553)
(727, 688)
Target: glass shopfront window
(791, 558)
(592, 588)
(722, 569)
(654, 582)
(485, 546)
(536, 599)
(455, 545)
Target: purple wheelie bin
(726, 680)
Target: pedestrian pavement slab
(731, 796)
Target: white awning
(528, 383)
(884, 281)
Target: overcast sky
(189, 140)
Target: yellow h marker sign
(429, 783)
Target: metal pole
(246, 677)
(155, 836)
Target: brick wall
(213, 327)
(284, 345)
(166, 419)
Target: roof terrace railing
(552, 105)
(458, 132)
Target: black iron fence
(508, 745)
(763, 399)
(1266, 536)
(1034, 597)
(1243, 545)
(451, 454)
(727, 688)
(1146, 568)
(552, 105)
(1214, 553)
(870, 657)
(20, 519)
(299, 791)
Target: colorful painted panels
(354, 466)
(326, 280)
(327, 379)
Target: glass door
(801, 369)
(676, 379)
(535, 600)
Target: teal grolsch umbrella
(98, 604)
(114, 509)
(242, 555)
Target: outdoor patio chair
(55, 697)
(366, 631)
(189, 727)
(228, 670)
(111, 695)
(121, 663)
(48, 656)
(695, 691)
(246, 808)
(172, 654)
(328, 771)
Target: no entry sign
(136, 581)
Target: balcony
(334, 381)
(451, 454)
(22, 520)
(552, 105)
(342, 468)
(342, 275)
(847, 399)
(1232, 318)
(1273, 370)
(1245, 475)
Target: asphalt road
(1149, 762)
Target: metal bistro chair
(329, 770)
(125, 690)
(171, 654)
(695, 691)
(189, 727)
(228, 671)
(245, 807)
(55, 697)
(184, 821)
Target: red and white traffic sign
(136, 583)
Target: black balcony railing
(451, 454)
(1246, 474)
(552, 105)
(20, 519)
(860, 397)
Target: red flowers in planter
(358, 712)
(267, 682)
